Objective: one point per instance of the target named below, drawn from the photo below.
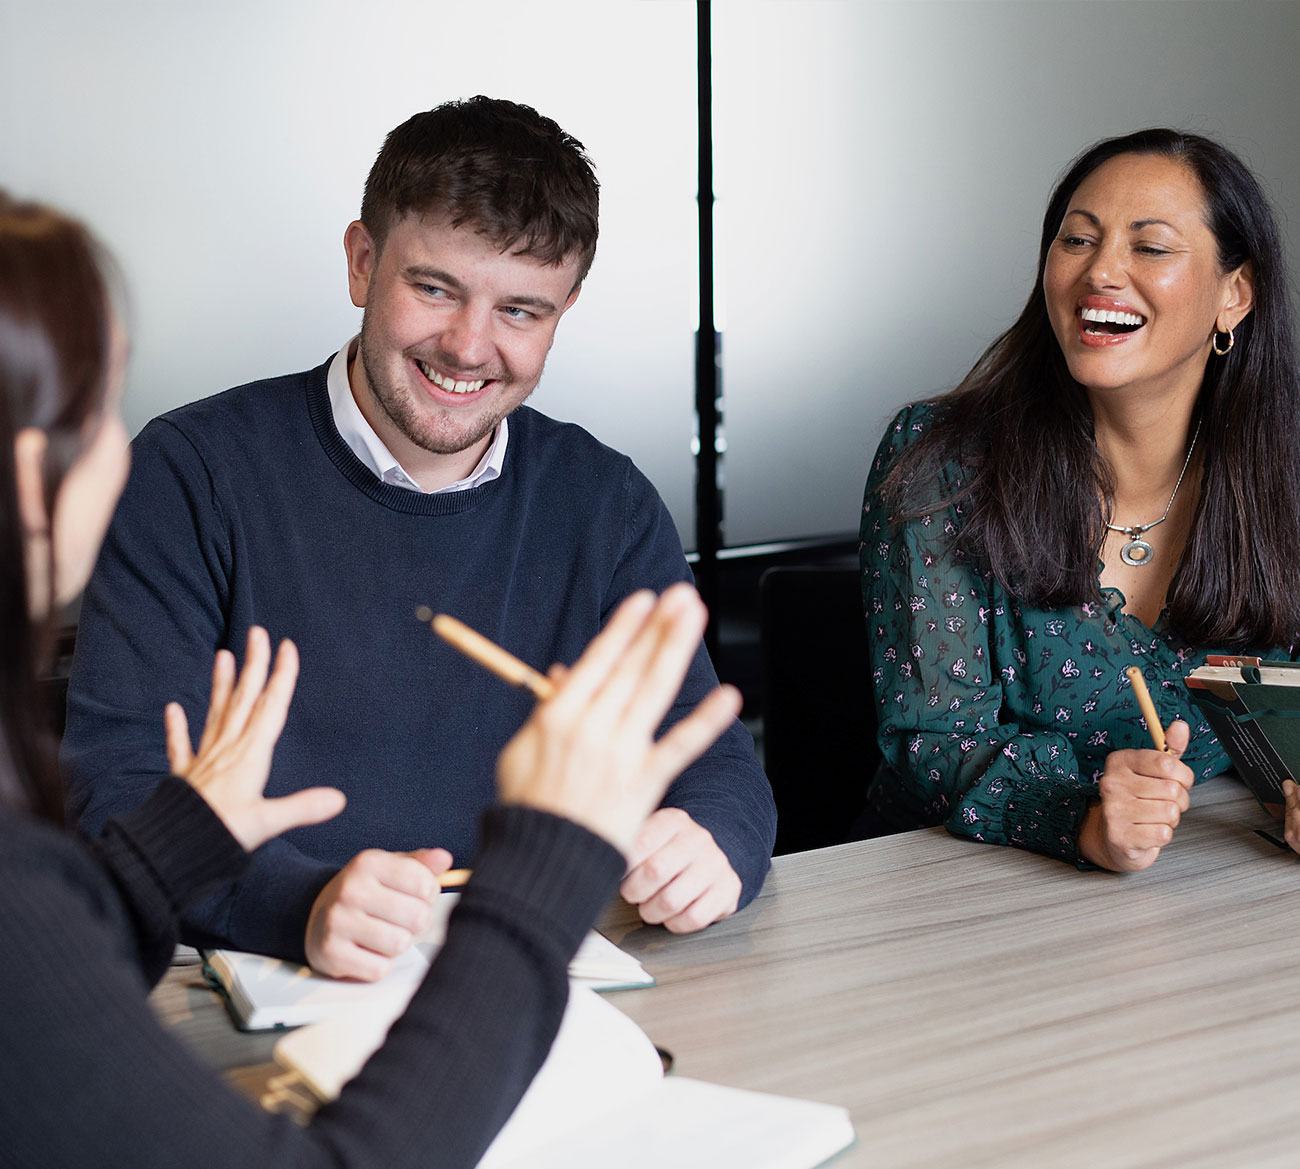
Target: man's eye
(518, 314)
(432, 290)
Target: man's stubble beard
(394, 402)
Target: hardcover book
(1253, 707)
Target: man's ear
(568, 304)
(30, 445)
(362, 255)
(1238, 299)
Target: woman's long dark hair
(1038, 491)
(55, 321)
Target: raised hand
(589, 752)
(1143, 795)
(244, 721)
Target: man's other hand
(677, 876)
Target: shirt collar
(370, 449)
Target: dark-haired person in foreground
(89, 1077)
(1115, 483)
(329, 505)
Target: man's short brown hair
(500, 167)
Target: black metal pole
(708, 347)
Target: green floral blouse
(996, 718)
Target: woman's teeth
(449, 384)
(1119, 320)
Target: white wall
(220, 150)
(882, 174)
(882, 168)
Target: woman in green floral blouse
(1116, 482)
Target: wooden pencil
(1147, 707)
(491, 656)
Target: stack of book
(1253, 707)
(600, 1099)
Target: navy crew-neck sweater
(249, 508)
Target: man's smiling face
(454, 336)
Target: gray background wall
(882, 168)
(883, 173)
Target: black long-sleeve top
(90, 1078)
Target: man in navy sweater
(403, 472)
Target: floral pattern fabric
(995, 718)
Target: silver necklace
(1137, 551)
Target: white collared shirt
(370, 449)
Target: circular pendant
(1136, 552)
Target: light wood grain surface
(980, 1006)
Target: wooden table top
(980, 1006)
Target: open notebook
(600, 1099)
(264, 992)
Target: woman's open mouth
(1099, 322)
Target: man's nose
(466, 338)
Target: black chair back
(819, 723)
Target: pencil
(491, 656)
(453, 878)
(1147, 707)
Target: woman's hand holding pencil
(1142, 795)
(678, 876)
(589, 751)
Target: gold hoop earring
(1214, 343)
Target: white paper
(269, 992)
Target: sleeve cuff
(180, 840)
(1048, 822)
(551, 868)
